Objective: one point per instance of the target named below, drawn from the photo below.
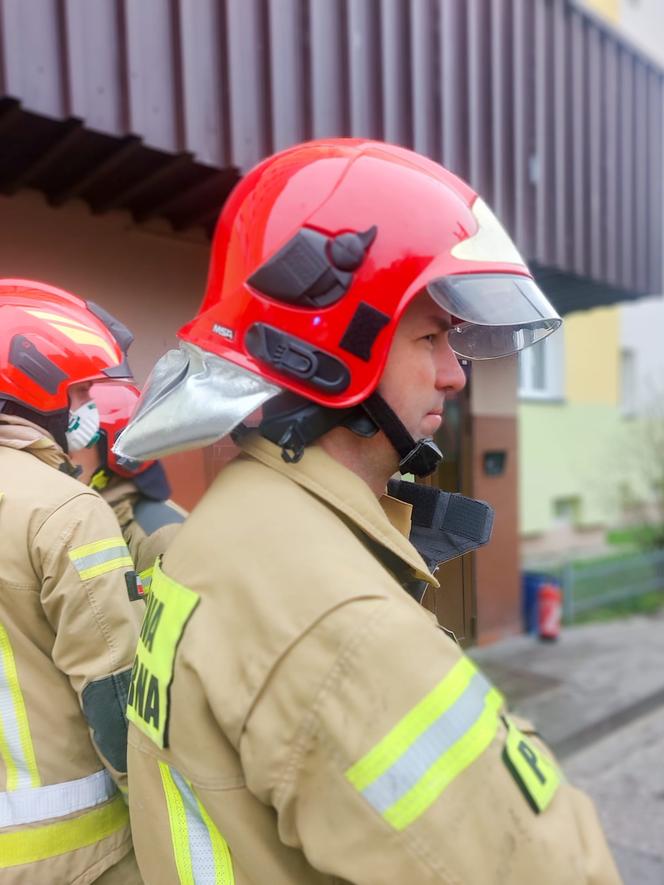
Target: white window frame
(552, 351)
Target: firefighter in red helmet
(68, 629)
(295, 716)
(138, 491)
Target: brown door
(454, 603)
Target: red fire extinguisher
(549, 605)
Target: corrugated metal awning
(65, 159)
(152, 105)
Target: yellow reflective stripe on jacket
(202, 856)
(92, 560)
(16, 747)
(426, 750)
(146, 579)
(32, 844)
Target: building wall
(592, 357)
(150, 279)
(590, 447)
(569, 448)
(494, 428)
(585, 447)
(570, 452)
(608, 9)
(640, 21)
(642, 332)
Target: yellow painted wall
(592, 357)
(610, 9)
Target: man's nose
(449, 373)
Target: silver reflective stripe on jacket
(26, 806)
(200, 851)
(16, 749)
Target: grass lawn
(647, 604)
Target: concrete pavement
(597, 697)
(624, 774)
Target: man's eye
(430, 338)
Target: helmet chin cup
(422, 460)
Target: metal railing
(592, 585)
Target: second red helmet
(116, 403)
(51, 339)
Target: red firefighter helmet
(51, 339)
(320, 249)
(115, 403)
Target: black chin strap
(420, 458)
(293, 423)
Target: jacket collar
(19, 433)
(383, 521)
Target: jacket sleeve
(83, 563)
(146, 548)
(149, 532)
(389, 757)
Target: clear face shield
(191, 399)
(499, 314)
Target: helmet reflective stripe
(490, 243)
(75, 331)
(54, 317)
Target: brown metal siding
(539, 106)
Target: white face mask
(83, 430)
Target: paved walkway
(597, 696)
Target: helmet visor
(500, 314)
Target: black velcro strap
(466, 517)
(426, 501)
(444, 525)
(104, 704)
(363, 330)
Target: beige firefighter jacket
(67, 638)
(319, 727)
(148, 527)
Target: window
(542, 369)
(566, 512)
(628, 382)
